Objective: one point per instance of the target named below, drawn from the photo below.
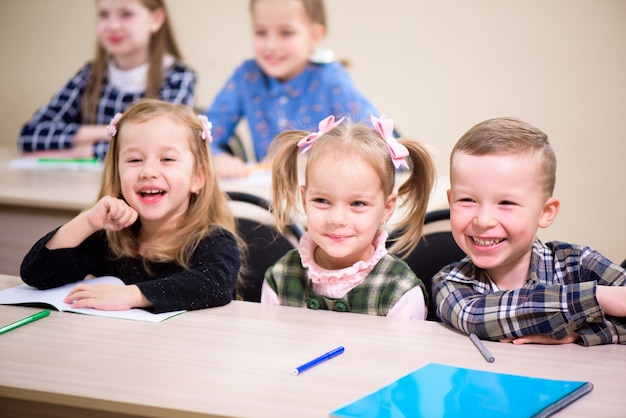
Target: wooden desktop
(236, 360)
(35, 201)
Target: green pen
(67, 160)
(25, 321)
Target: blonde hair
(207, 209)
(355, 140)
(315, 10)
(162, 42)
(507, 135)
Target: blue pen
(318, 360)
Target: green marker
(25, 321)
(67, 160)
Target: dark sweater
(209, 282)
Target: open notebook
(438, 390)
(27, 295)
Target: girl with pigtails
(348, 194)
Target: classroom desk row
(35, 201)
(236, 360)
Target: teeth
(146, 193)
(486, 243)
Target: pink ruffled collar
(353, 274)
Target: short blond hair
(315, 10)
(507, 135)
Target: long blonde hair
(207, 209)
(162, 42)
(355, 140)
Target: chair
(236, 147)
(265, 244)
(435, 250)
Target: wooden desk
(236, 360)
(33, 202)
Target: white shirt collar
(133, 80)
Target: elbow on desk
(34, 275)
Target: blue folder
(438, 390)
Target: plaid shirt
(271, 106)
(388, 281)
(557, 299)
(55, 124)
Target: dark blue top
(55, 124)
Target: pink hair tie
(112, 128)
(324, 127)
(397, 151)
(205, 134)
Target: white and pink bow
(324, 127)
(112, 128)
(397, 151)
(205, 134)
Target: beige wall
(436, 67)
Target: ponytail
(414, 194)
(283, 152)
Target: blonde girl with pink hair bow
(348, 194)
(161, 223)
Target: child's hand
(111, 214)
(106, 297)
(541, 339)
(612, 299)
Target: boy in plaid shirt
(512, 287)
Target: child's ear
(158, 18)
(198, 180)
(390, 207)
(318, 32)
(549, 212)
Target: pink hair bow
(324, 127)
(112, 128)
(206, 128)
(398, 152)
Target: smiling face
(284, 37)
(157, 170)
(497, 202)
(125, 28)
(345, 206)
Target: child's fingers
(121, 214)
(112, 214)
(116, 209)
(128, 217)
(78, 292)
(104, 297)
